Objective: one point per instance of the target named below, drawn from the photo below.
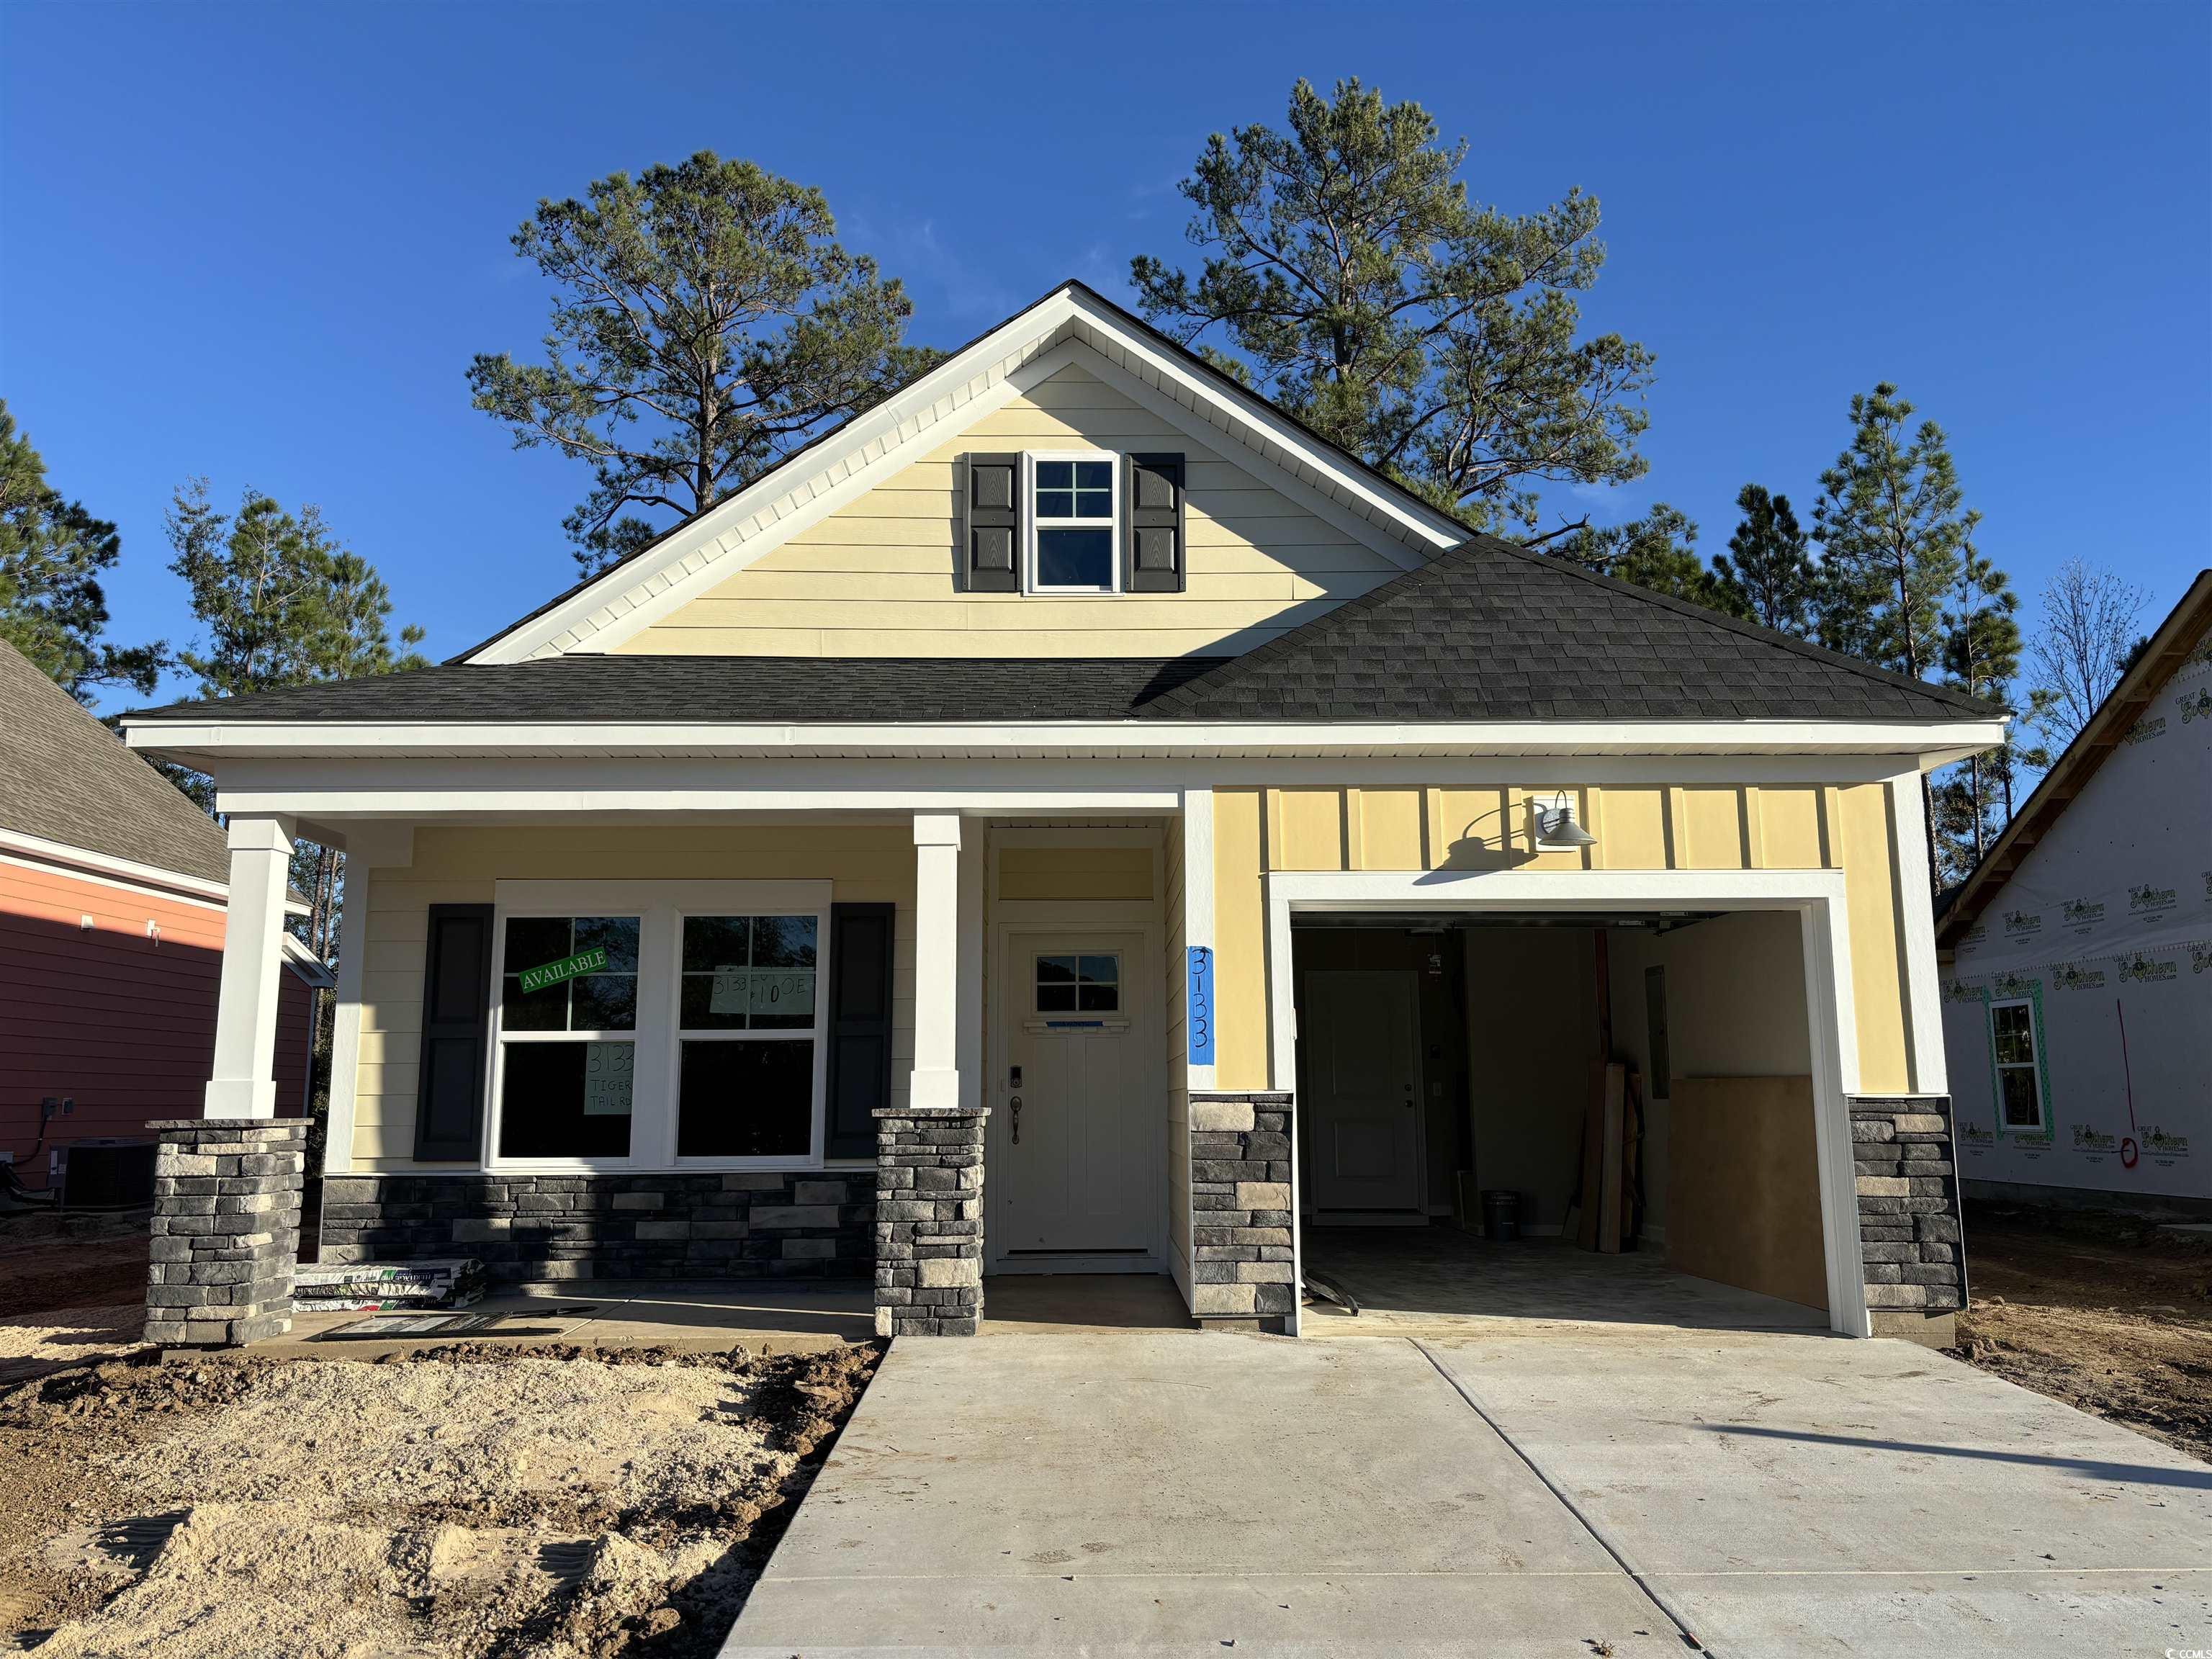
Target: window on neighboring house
(568, 1035)
(745, 1029)
(2019, 1074)
(1079, 985)
(1073, 537)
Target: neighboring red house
(111, 892)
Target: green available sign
(584, 962)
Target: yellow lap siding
(1075, 872)
(879, 575)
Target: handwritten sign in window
(608, 1070)
(552, 973)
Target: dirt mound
(472, 1500)
(2104, 1311)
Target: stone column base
(1910, 1238)
(1241, 1271)
(929, 1221)
(225, 1230)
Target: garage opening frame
(1815, 897)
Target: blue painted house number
(1198, 1024)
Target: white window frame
(2033, 1065)
(659, 906)
(1031, 523)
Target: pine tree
(1768, 573)
(1353, 282)
(1891, 523)
(51, 607)
(1658, 551)
(1981, 656)
(706, 324)
(283, 603)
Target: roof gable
(1492, 631)
(2181, 639)
(65, 779)
(844, 464)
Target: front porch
(769, 1049)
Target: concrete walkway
(1563, 1492)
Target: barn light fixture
(1556, 830)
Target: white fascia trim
(830, 740)
(1272, 466)
(1257, 426)
(111, 872)
(971, 384)
(307, 965)
(1007, 361)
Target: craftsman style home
(1070, 819)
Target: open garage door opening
(1561, 1116)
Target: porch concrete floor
(1411, 1279)
(1025, 1304)
(1782, 1492)
(711, 1316)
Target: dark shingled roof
(1487, 631)
(1490, 631)
(585, 688)
(65, 777)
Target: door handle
(1016, 1106)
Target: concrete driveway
(1568, 1491)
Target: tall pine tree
(1769, 573)
(52, 554)
(1981, 656)
(1892, 524)
(284, 602)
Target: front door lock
(1016, 1105)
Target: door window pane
(745, 1100)
(566, 1100)
(1078, 984)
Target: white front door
(1359, 1049)
(1074, 1179)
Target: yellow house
(1072, 819)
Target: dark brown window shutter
(860, 943)
(1155, 547)
(456, 1022)
(991, 558)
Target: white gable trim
(1012, 358)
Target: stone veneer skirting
(531, 1229)
(929, 1221)
(1242, 1262)
(1910, 1236)
(226, 1229)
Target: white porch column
(936, 1082)
(243, 1083)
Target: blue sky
(261, 243)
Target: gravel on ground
(469, 1500)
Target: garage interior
(1447, 1059)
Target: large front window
(657, 1025)
(568, 1019)
(745, 1084)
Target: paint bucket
(1501, 1214)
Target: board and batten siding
(1797, 827)
(878, 577)
(865, 863)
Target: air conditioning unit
(107, 1174)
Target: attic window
(1072, 541)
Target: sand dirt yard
(464, 1501)
(2106, 1312)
